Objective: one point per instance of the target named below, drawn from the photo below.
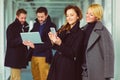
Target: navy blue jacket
(45, 47)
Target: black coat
(16, 52)
(66, 64)
(45, 47)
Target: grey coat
(100, 54)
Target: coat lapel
(94, 35)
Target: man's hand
(29, 43)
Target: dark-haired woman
(67, 61)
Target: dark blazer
(100, 53)
(46, 46)
(16, 52)
(66, 64)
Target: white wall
(9, 16)
(108, 15)
(1, 40)
(116, 35)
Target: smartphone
(52, 29)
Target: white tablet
(31, 36)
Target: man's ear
(46, 15)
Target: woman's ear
(97, 19)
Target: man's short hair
(42, 10)
(19, 11)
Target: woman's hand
(58, 41)
(29, 43)
(54, 38)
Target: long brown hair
(67, 25)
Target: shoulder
(79, 33)
(102, 30)
(12, 25)
(101, 27)
(105, 32)
(84, 27)
(36, 24)
(79, 36)
(52, 24)
(11, 28)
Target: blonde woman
(99, 52)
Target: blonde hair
(97, 10)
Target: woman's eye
(91, 15)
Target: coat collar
(46, 21)
(94, 36)
(18, 22)
(75, 28)
(20, 26)
(98, 26)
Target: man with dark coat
(41, 53)
(16, 51)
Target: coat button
(74, 58)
